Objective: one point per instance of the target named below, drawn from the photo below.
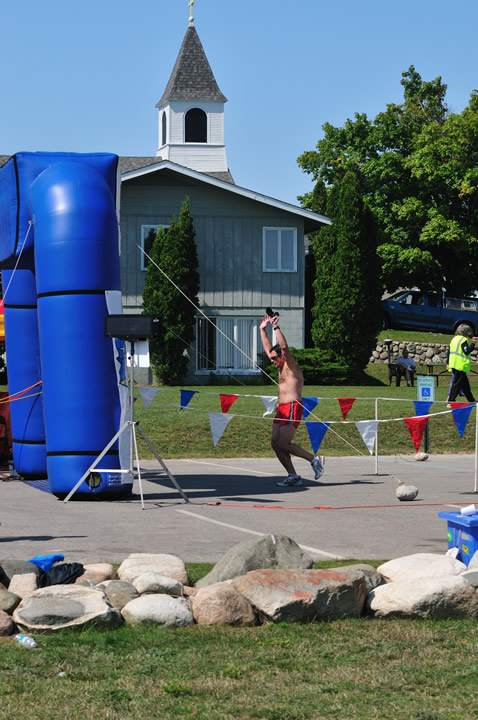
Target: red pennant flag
(345, 405)
(416, 427)
(226, 401)
(455, 405)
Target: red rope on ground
(329, 507)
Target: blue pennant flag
(309, 404)
(461, 416)
(186, 396)
(316, 432)
(422, 407)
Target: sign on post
(426, 388)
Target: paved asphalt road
(352, 513)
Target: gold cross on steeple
(191, 19)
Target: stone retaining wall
(422, 353)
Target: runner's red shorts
(288, 413)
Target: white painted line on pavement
(261, 534)
(229, 467)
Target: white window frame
(279, 231)
(237, 354)
(145, 230)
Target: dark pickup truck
(431, 311)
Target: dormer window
(195, 129)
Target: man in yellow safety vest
(459, 362)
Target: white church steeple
(191, 110)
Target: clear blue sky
(86, 76)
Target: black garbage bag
(61, 574)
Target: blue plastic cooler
(462, 533)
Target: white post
(376, 438)
(476, 449)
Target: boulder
(471, 576)
(61, 606)
(449, 596)
(158, 609)
(421, 456)
(7, 626)
(474, 561)
(420, 565)
(150, 582)
(221, 604)
(23, 585)
(304, 595)
(118, 592)
(8, 601)
(9, 568)
(269, 551)
(97, 573)
(372, 577)
(406, 492)
(138, 563)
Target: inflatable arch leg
(54, 318)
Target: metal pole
(376, 438)
(476, 449)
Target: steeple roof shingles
(192, 77)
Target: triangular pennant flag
(316, 432)
(416, 427)
(422, 406)
(368, 431)
(461, 414)
(309, 404)
(219, 423)
(226, 401)
(345, 405)
(269, 403)
(148, 395)
(186, 396)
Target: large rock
(222, 604)
(118, 592)
(158, 609)
(420, 565)
(9, 568)
(8, 601)
(449, 596)
(150, 582)
(24, 584)
(406, 492)
(270, 551)
(97, 573)
(304, 595)
(7, 626)
(61, 606)
(162, 564)
(372, 577)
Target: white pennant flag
(269, 403)
(148, 395)
(368, 431)
(218, 422)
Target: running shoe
(292, 480)
(318, 466)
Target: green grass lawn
(416, 337)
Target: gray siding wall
(229, 242)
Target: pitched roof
(312, 221)
(192, 77)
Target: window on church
(220, 341)
(279, 247)
(163, 129)
(196, 126)
(148, 235)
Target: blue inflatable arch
(59, 250)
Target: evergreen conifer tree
(174, 251)
(347, 310)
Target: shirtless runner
(289, 409)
